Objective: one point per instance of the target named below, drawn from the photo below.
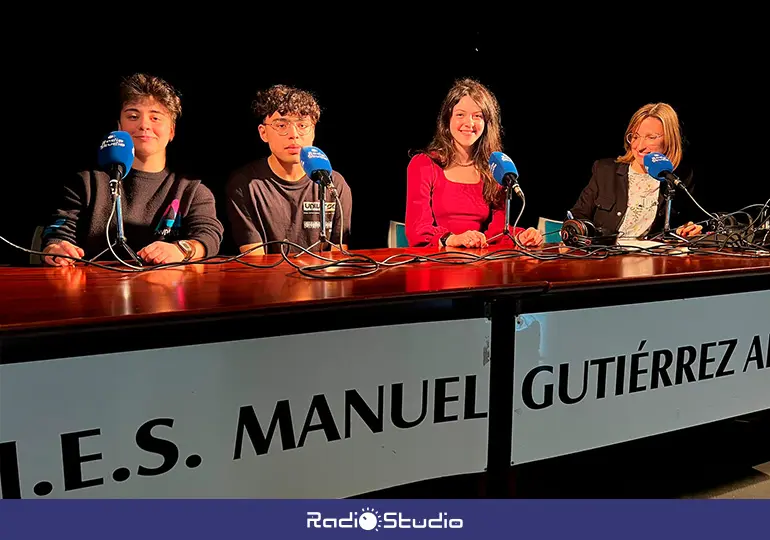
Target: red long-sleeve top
(436, 205)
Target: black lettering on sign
(601, 375)
(72, 459)
(163, 447)
(470, 411)
(705, 360)
(722, 370)
(666, 368)
(636, 370)
(248, 422)
(354, 401)
(620, 375)
(767, 353)
(660, 369)
(755, 354)
(440, 399)
(320, 416)
(397, 406)
(564, 396)
(325, 421)
(10, 481)
(685, 357)
(527, 389)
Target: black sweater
(86, 203)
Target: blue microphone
(505, 172)
(316, 165)
(116, 154)
(660, 167)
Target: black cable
(731, 241)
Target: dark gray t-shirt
(262, 207)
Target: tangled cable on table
(734, 234)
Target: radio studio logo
(315, 153)
(112, 140)
(369, 519)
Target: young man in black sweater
(149, 110)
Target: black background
(566, 95)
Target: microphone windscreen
(117, 149)
(500, 165)
(658, 165)
(314, 160)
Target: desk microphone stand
(509, 191)
(323, 240)
(668, 233)
(116, 188)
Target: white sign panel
(329, 414)
(593, 377)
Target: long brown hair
(442, 149)
(672, 135)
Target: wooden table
(79, 312)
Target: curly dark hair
(141, 86)
(285, 100)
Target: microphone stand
(323, 240)
(116, 188)
(509, 191)
(668, 198)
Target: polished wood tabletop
(39, 297)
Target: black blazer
(604, 200)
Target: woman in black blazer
(621, 198)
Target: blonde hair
(672, 135)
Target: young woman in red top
(452, 198)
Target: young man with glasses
(272, 199)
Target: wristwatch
(444, 238)
(186, 248)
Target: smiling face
(150, 125)
(652, 128)
(647, 138)
(466, 123)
